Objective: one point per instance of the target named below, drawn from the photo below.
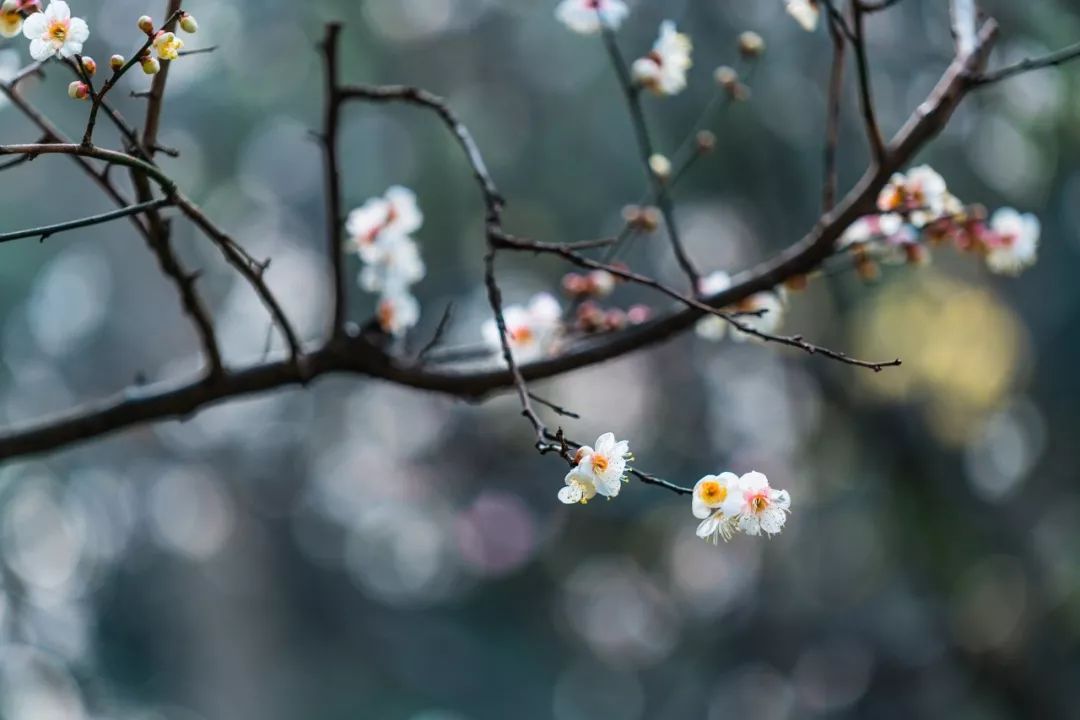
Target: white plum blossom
(755, 506)
(54, 32)
(663, 70)
(921, 194)
(805, 12)
(1013, 242)
(598, 470)
(397, 312)
(713, 327)
(11, 19)
(531, 331)
(770, 304)
(392, 263)
(590, 16)
(379, 233)
(710, 493)
(396, 212)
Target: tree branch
(47, 231)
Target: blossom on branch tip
(710, 494)
(597, 470)
(1012, 242)
(805, 12)
(188, 23)
(663, 70)
(531, 332)
(588, 17)
(921, 195)
(54, 32)
(11, 19)
(167, 45)
(756, 506)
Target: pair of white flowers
(532, 331)
(380, 234)
(727, 503)
(598, 470)
(766, 308)
(662, 70)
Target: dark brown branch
(152, 124)
(334, 220)
(832, 125)
(866, 95)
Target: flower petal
(570, 494)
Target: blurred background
(356, 550)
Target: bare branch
(334, 220)
(1053, 59)
(47, 231)
(832, 125)
(866, 96)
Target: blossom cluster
(598, 470)
(54, 33)
(917, 210)
(380, 234)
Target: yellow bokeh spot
(961, 347)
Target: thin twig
(1054, 59)
(46, 231)
(440, 331)
(832, 125)
(645, 147)
(866, 96)
(333, 100)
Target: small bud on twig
(188, 23)
(751, 45)
(89, 66)
(146, 24)
(78, 90)
(116, 62)
(660, 166)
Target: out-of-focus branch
(832, 123)
(331, 121)
(866, 95)
(964, 26)
(646, 149)
(1053, 59)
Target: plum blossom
(754, 506)
(11, 19)
(663, 70)
(587, 17)
(393, 263)
(167, 45)
(1012, 242)
(55, 32)
(597, 470)
(397, 312)
(379, 233)
(710, 493)
(921, 195)
(396, 213)
(713, 327)
(531, 331)
(805, 12)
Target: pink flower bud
(78, 90)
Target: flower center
(58, 31)
(599, 463)
(713, 492)
(656, 58)
(520, 335)
(759, 503)
(386, 315)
